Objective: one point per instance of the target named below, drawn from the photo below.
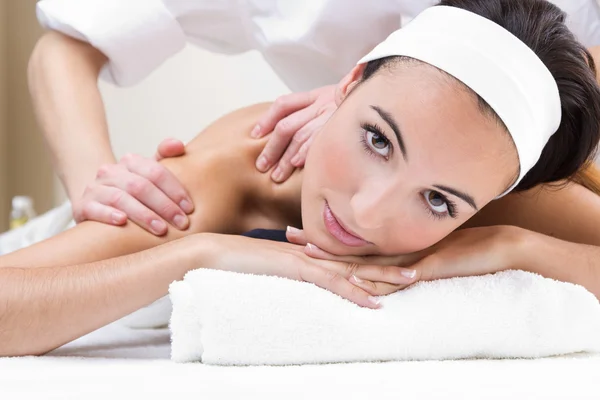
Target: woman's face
(407, 158)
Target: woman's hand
(467, 252)
(293, 119)
(264, 257)
(139, 189)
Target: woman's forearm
(63, 81)
(44, 308)
(561, 260)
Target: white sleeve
(135, 35)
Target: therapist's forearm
(44, 308)
(63, 81)
(561, 260)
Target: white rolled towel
(228, 318)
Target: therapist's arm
(63, 80)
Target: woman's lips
(335, 228)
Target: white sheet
(117, 362)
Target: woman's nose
(375, 205)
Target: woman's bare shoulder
(219, 172)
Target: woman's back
(229, 194)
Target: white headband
(491, 61)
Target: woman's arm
(44, 308)
(570, 213)
(561, 260)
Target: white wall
(184, 95)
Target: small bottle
(22, 211)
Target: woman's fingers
(399, 261)
(364, 268)
(169, 148)
(376, 288)
(338, 284)
(296, 236)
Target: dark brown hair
(541, 26)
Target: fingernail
(409, 273)
(357, 279)
(180, 221)
(312, 247)
(117, 218)
(157, 226)
(295, 159)
(292, 230)
(374, 300)
(186, 206)
(277, 174)
(255, 131)
(261, 164)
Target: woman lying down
(440, 161)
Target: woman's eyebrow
(387, 117)
(464, 196)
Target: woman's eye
(436, 201)
(378, 143)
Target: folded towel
(230, 318)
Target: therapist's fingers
(284, 167)
(314, 126)
(170, 192)
(281, 108)
(150, 200)
(169, 148)
(137, 212)
(287, 133)
(95, 211)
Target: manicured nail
(312, 247)
(374, 300)
(292, 230)
(277, 174)
(186, 206)
(180, 221)
(158, 227)
(117, 218)
(357, 279)
(261, 164)
(409, 273)
(255, 131)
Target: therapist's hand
(139, 189)
(293, 119)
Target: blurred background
(178, 100)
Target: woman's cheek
(341, 164)
(410, 239)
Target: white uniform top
(308, 43)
